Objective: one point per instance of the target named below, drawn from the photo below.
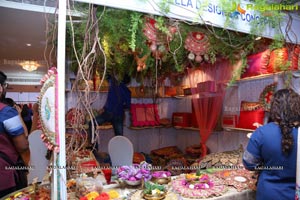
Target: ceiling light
(29, 65)
(28, 44)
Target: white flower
(191, 186)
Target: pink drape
(208, 106)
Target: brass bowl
(161, 180)
(154, 197)
(133, 183)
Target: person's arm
(252, 156)
(126, 96)
(22, 121)
(22, 146)
(14, 128)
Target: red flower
(102, 196)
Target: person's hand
(256, 124)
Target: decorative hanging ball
(161, 48)
(153, 47)
(206, 57)
(191, 56)
(198, 58)
(172, 29)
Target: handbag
(21, 171)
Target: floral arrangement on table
(194, 181)
(135, 172)
(112, 194)
(198, 185)
(161, 174)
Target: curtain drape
(208, 105)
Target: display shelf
(102, 127)
(91, 91)
(148, 127)
(295, 73)
(187, 128)
(238, 129)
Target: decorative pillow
(257, 64)
(278, 58)
(266, 96)
(144, 114)
(251, 112)
(166, 151)
(295, 58)
(138, 157)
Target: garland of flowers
(266, 95)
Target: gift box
(170, 91)
(207, 86)
(229, 121)
(182, 119)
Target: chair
(38, 160)
(120, 150)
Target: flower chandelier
(29, 65)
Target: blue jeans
(117, 123)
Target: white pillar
(60, 182)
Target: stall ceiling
(20, 27)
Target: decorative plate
(216, 187)
(241, 179)
(266, 96)
(47, 109)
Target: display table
(134, 193)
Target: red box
(182, 119)
(170, 91)
(229, 121)
(207, 86)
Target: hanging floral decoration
(157, 40)
(266, 96)
(197, 44)
(47, 110)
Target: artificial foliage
(121, 33)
